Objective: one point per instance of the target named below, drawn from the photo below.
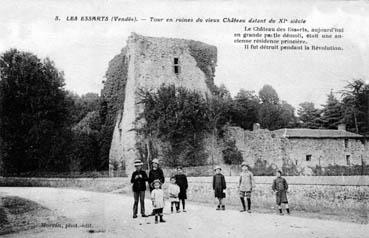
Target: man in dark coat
(181, 181)
(156, 173)
(280, 188)
(138, 180)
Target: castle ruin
(150, 62)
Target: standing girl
(157, 197)
(219, 186)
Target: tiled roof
(316, 133)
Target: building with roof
(302, 148)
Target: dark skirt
(281, 197)
(219, 193)
(182, 194)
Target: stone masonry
(153, 62)
(303, 148)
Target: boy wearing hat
(280, 188)
(246, 184)
(157, 197)
(138, 180)
(181, 181)
(219, 185)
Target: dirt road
(110, 215)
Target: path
(111, 216)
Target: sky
(83, 49)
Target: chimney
(255, 126)
(342, 127)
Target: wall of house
(277, 152)
(150, 65)
(325, 152)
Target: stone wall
(335, 195)
(150, 63)
(278, 152)
(342, 195)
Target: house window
(348, 162)
(308, 158)
(346, 143)
(177, 68)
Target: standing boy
(138, 180)
(157, 197)
(246, 184)
(181, 181)
(219, 186)
(280, 188)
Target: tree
(34, 113)
(332, 112)
(309, 115)
(267, 94)
(356, 106)
(176, 116)
(244, 109)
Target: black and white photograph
(184, 118)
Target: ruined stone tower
(149, 63)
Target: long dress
(219, 184)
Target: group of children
(245, 186)
(178, 187)
(176, 190)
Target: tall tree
(332, 112)
(244, 109)
(33, 113)
(356, 106)
(267, 94)
(309, 115)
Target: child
(280, 187)
(246, 184)
(219, 185)
(173, 190)
(138, 180)
(157, 197)
(181, 181)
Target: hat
(137, 162)
(217, 167)
(156, 161)
(244, 164)
(155, 181)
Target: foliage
(261, 168)
(332, 113)
(309, 115)
(34, 113)
(231, 154)
(175, 116)
(244, 109)
(274, 114)
(356, 106)
(268, 95)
